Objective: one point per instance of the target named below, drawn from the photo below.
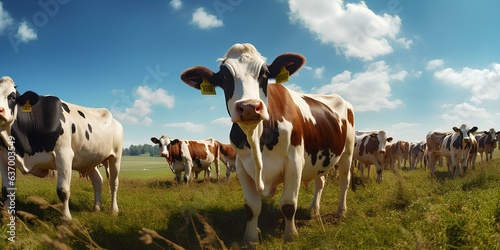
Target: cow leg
(288, 201)
(378, 168)
(96, 179)
(319, 184)
(253, 204)
(114, 170)
(63, 186)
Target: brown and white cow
(228, 157)
(416, 154)
(369, 149)
(486, 143)
(433, 152)
(399, 152)
(280, 136)
(189, 155)
(48, 133)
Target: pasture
(408, 210)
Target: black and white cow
(48, 133)
(280, 136)
(458, 146)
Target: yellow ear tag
(283, 76)
(207, 88)
(26, 108)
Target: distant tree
(147, 149)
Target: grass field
(408, 210)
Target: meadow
(408, 210)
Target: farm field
(408, 210)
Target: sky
(408, 67)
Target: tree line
(134, 150)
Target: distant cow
(400, 151)
(416, 154)
(455, 146)
(280, 136)
(433, 141)
(486, 143)
(369, 149)
(186, 156)
(52, 134)
(228, 157)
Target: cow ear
(373, 136)
(389, 139)
(455, 129)
(473, 129)
(30, 96)
(155, 140)
(175, 141)
(194, 76)
(291, 61)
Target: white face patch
(7, 100)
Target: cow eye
(12, 97)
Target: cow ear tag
(26, 108)
(283, 76)
(207, 88)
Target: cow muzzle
(249, 111)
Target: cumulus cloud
(5, 19)
(369, 90)
(223, 121)
(176, 4)
(188, 126)
(465, 113)
(26, 33)
(352, 28)
(146, 98)
(205, 20)
(318, 72)
(482, 83)
(434, 64)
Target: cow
(227, 155)
(498, 139)
(486, 143)
(416, 154)
(369, 149)
(459, 144)
(400, 151)
(189, 155)
(433, 142)
(48, 133)
(280, 136)
(455, 146)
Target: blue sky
(408, 67)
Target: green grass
(408, 210)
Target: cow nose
(164, 154)
(249, 110)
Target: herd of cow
(278, 136)
(460, 147)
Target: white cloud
(404, 125)
(433, 64)
(142, 105)
(417, 73)
(176, 4)
(484, 84)
(465, 113)
(224, 121)
(352, 28)
(318, 72)
(367, 91)
(204, 20)
(188, 126)
(25, 33)
(5, 19)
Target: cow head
(492, 135)
(382, 139)
(244, 75)
(464, 134)
(8, 96)
(163, 142)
